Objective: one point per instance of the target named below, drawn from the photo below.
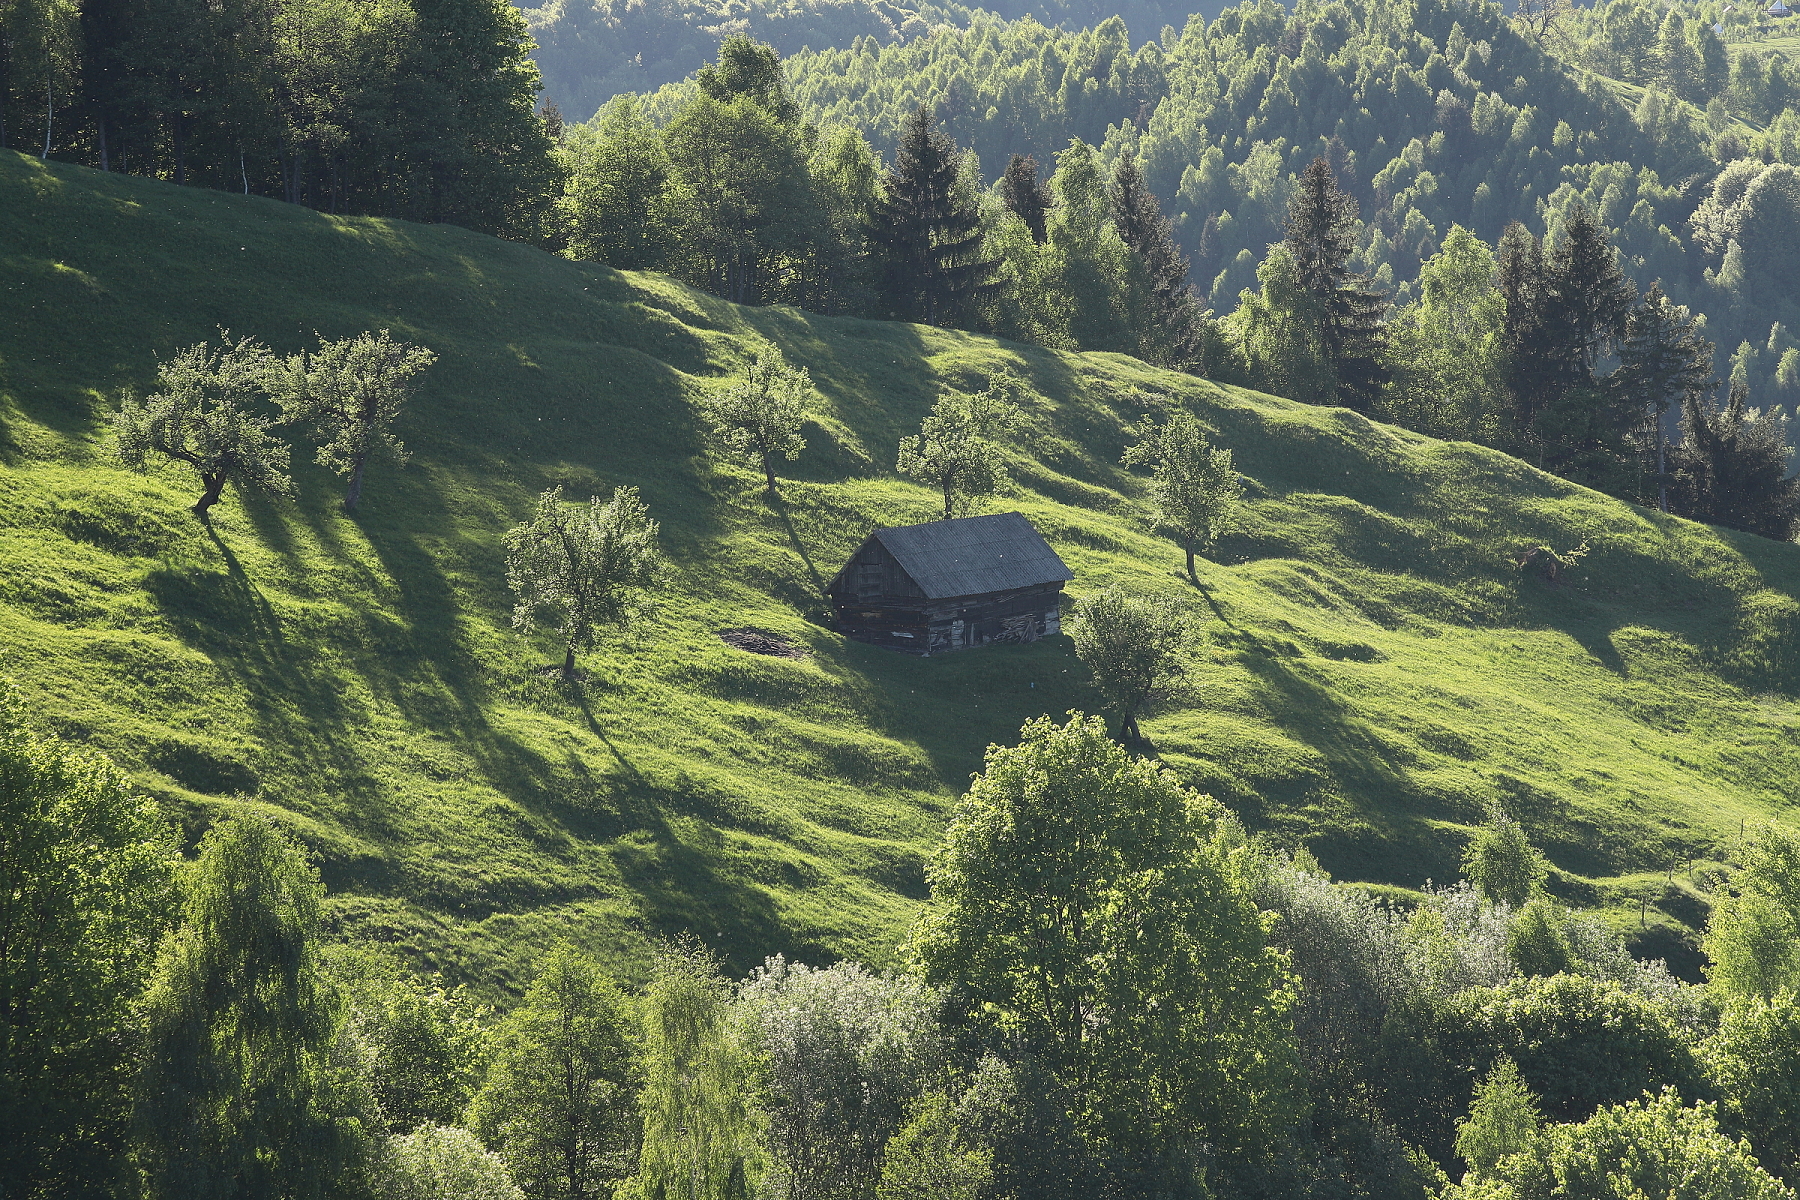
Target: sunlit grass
(1377, 670)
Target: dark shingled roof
(972, 555)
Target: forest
(1559, 245)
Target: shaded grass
(1378, 672)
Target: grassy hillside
(1379, 670)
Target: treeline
(423, 109)
(1112, 992)
(737, 195)
(1433, 114)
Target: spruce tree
(1025, 197)
(1663, 359)
(1322, 227)
(1732, 467)
(1173, 336)
(1530, 381)
(1586, 428)
(926, 240)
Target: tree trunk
(49, 105)
(949, 499)
(1662, 479)
(215, 484)
(769, 472)
(1128, 728)
(568, 668)
(1192, 577)
(354, 494)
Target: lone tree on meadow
(761, 416)
(350, 391)
(203, 415)
(1136, 647)
(1501, 862)
(954, 450)
(593, 563)
(1195, 487)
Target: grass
(1377, 669)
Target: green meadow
(1377, 669)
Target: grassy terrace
(1379, 670)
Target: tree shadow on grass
(296, 711)
(680, 870)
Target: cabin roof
(972, 555)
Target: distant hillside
(1379, 672)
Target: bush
(1579, 1043)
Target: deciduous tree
(85, 889)
(762, 415)
(955, 450)
(593, 564)
(558, 1104)
(1195, 487)
(236, 1095)
(1500, 861)
(1100, 912)
(1136, 647)
(204, 416)
(702, 1127)
(351, 391)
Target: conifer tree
(1025, 197)
(205, 416)
(1732, 467)
(1172, 334)
(1321, 235)
(236, 1095)
(1530, 376)
(1503, 1119)
(1663, 359)
(926, 240)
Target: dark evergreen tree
(1322, 227)
(1731, 468)
(1024, 196)
(1586, 428)
(925, 238)
(1530, 380)
(1172, 337)
(1663, 359)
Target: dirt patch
(761, 641)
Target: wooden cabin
(950, 585)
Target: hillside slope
(1379, 670)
